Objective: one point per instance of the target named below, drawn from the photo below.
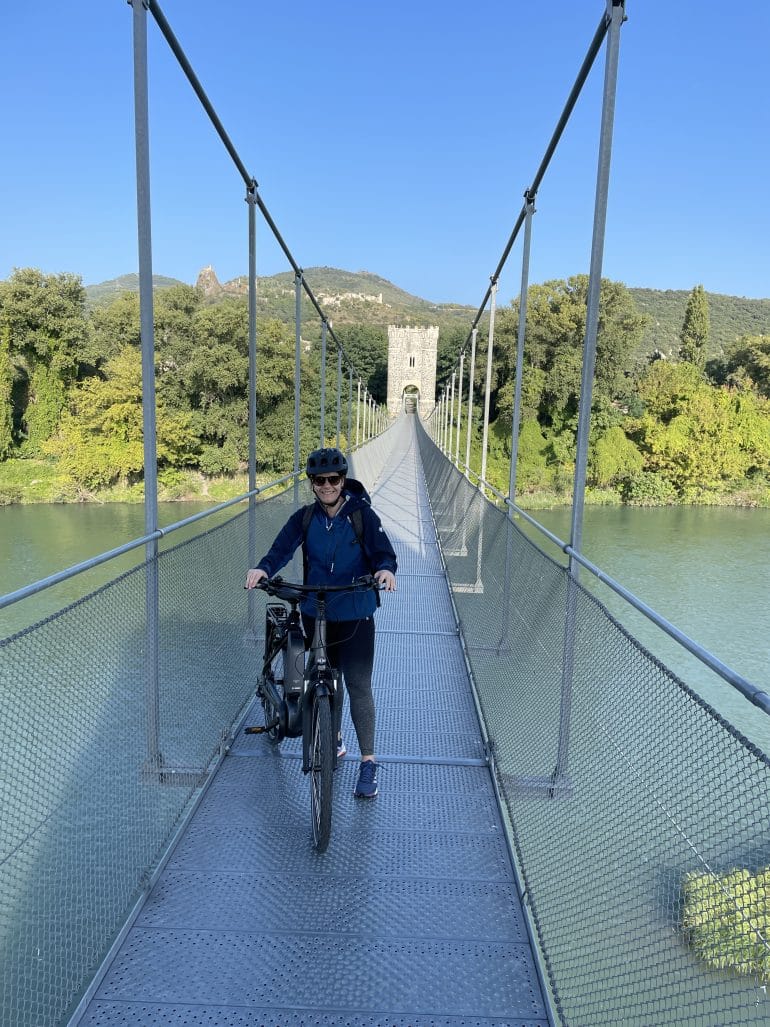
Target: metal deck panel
(412, 915)
(118, 1014)
(355, 975)
(190, 900)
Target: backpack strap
(356, 520)
(307, 516)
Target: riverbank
(26, 482)
(38, 481)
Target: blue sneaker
(367, 780)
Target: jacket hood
(356, 491)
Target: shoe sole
(361, 795)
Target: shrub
(216, 460)
(649, 489)
(727, 919)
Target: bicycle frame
(293, 702)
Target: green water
(39, 540)
(703, 569)
(706, 570)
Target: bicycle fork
(327, 686)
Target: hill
(347, 297)
(103, 293)
(361, 297)
(730, 318)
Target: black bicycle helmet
(326, 461)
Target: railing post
(147, 335)
(615, 15)
(451, 414)
(251, 200)
(523, 293)
(350, 411)
(471, 376)
(488, 386)
(322, 431)
(459, 408)
(358, 410)
(297, 364)
(507, 577)
(339, 397)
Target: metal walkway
(410, 918)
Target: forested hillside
(731, 317)
(685, 420)
(359, 297)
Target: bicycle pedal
(260, 729)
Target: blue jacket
(334, 556)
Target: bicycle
(299, 699)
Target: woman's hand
(253, 577)
(387, 579)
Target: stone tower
(412, 365)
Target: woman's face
(328, 487)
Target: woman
(342, 539)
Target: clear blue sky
(396, 138)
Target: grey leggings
(350, 647)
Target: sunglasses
(322, 479)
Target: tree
(6, 394)
(45, 325)
(115, 326)
(614, 459)
(366, 347)
(695, 328)
(749, 362)
(532, 465)
(100, 440)
(555, 332)
(700, 438)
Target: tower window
(411, 361)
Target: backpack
(356, 520)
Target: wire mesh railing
(100, 762)
(637, 813)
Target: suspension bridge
(549, 788)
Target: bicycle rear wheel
(321, 772)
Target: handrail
(111, 554)
(750, 691)
(86, 565)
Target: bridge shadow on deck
(411, 917)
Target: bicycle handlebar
(290, 590)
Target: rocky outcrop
(213, 289)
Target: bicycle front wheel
(321, 772)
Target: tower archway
(412, 367)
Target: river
(704, 569)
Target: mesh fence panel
(97, 765)
(639, 816)
(100, 757)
